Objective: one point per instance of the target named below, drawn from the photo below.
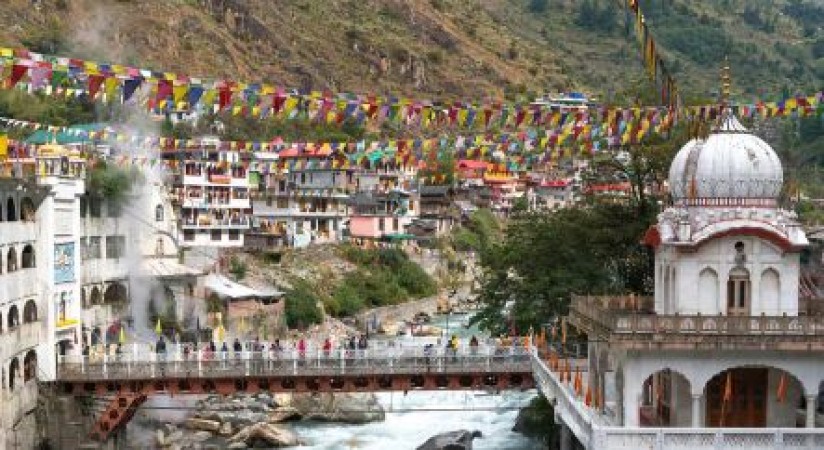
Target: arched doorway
(27, 210)
(13, 317)
(63, 347)
(752, 397)
(30, 312)
(665, 400)
(96, 296)
(30, 366)
(11, 260)
(11, 211)
(28, 260)
(115, 294)
(14, 372)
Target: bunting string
(164, 92)
(653, 62)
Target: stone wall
(402, 311)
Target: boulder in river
(266, 435)
(284, 414)
(352, 408)
(453, 440)
(203, 424)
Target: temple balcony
(631, 323)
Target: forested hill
(438, 48)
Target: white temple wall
(782, 414)
(699, 367)
(684, 277)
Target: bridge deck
(375, 369)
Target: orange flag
(563, 332)
(578, 385)
(588, 396)
(728, 388)
(599, 398)
(782, 388)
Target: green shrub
(301, 307)
(348, 300)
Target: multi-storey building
(40, 305)
(211, 195)
(303, 200)
(379, 215)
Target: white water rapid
(406, 430)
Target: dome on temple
(729, 165)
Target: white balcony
(100, 269)
(234, 203)
(215, 180)
(20, 284)
(19, 339)
(216, 224)
(16, 232)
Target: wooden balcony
(629, 322)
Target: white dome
(729, 164)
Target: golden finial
(726, 82)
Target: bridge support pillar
(566, 437)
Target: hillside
(436, 48)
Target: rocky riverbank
(262, 420)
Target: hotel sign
(64, 263)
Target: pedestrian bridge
(137, 372)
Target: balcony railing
(213, 223)
(19, 338)
(632, 317)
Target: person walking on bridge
(327, 347)
(473, 345)
(302, 348)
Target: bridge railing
(205, 364)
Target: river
(404, 429)
(413, 418)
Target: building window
(159, 247)
(268, 200)
(302, 178)
(11, 211)
(93, 248)
(381, 224)
(234, 235)
(738, 292)
(115, 247)
(159, 213)
(217, 235)
(84, 206)
(95, 206)
(395, 224)
(11, 260)
(283, 203)
(28, 257)
(189, 235)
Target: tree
(548, 256)
(237, 268)
(644, 166)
